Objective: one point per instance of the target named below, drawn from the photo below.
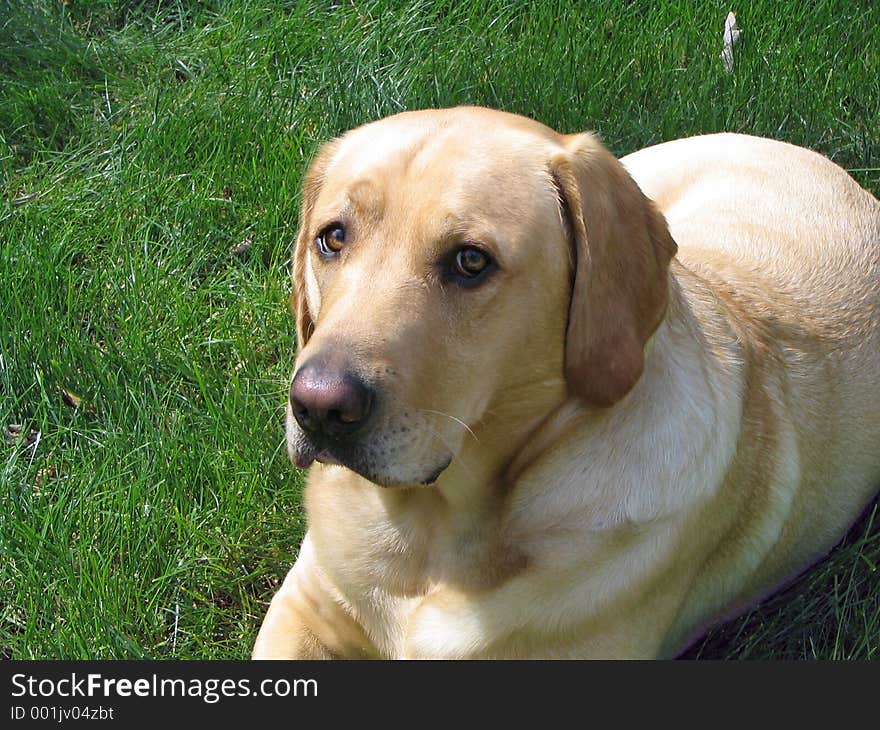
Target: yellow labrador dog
(563, 405)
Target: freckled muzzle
(335, 417)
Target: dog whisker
(456, 457)
(453, 418)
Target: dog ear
(314, 180)
(622, 249)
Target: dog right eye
(469, 266)
(330, 241)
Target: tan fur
(632, 447)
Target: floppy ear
(305, 323)
(622, 250)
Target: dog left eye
(330, 241)
(470, 263)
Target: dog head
(459, 267)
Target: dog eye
(330, 241)
(470, 262)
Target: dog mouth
(304, 454)
(434, 476)
(305, 459)
(326, 457)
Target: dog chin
(394, 481)
(393, 478)
(401, 481)
(303, 454)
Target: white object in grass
(731, 38)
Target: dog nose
(329, 402)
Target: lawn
(150, 160)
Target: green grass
(150, 160)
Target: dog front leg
(285, 634)
(306, 619)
